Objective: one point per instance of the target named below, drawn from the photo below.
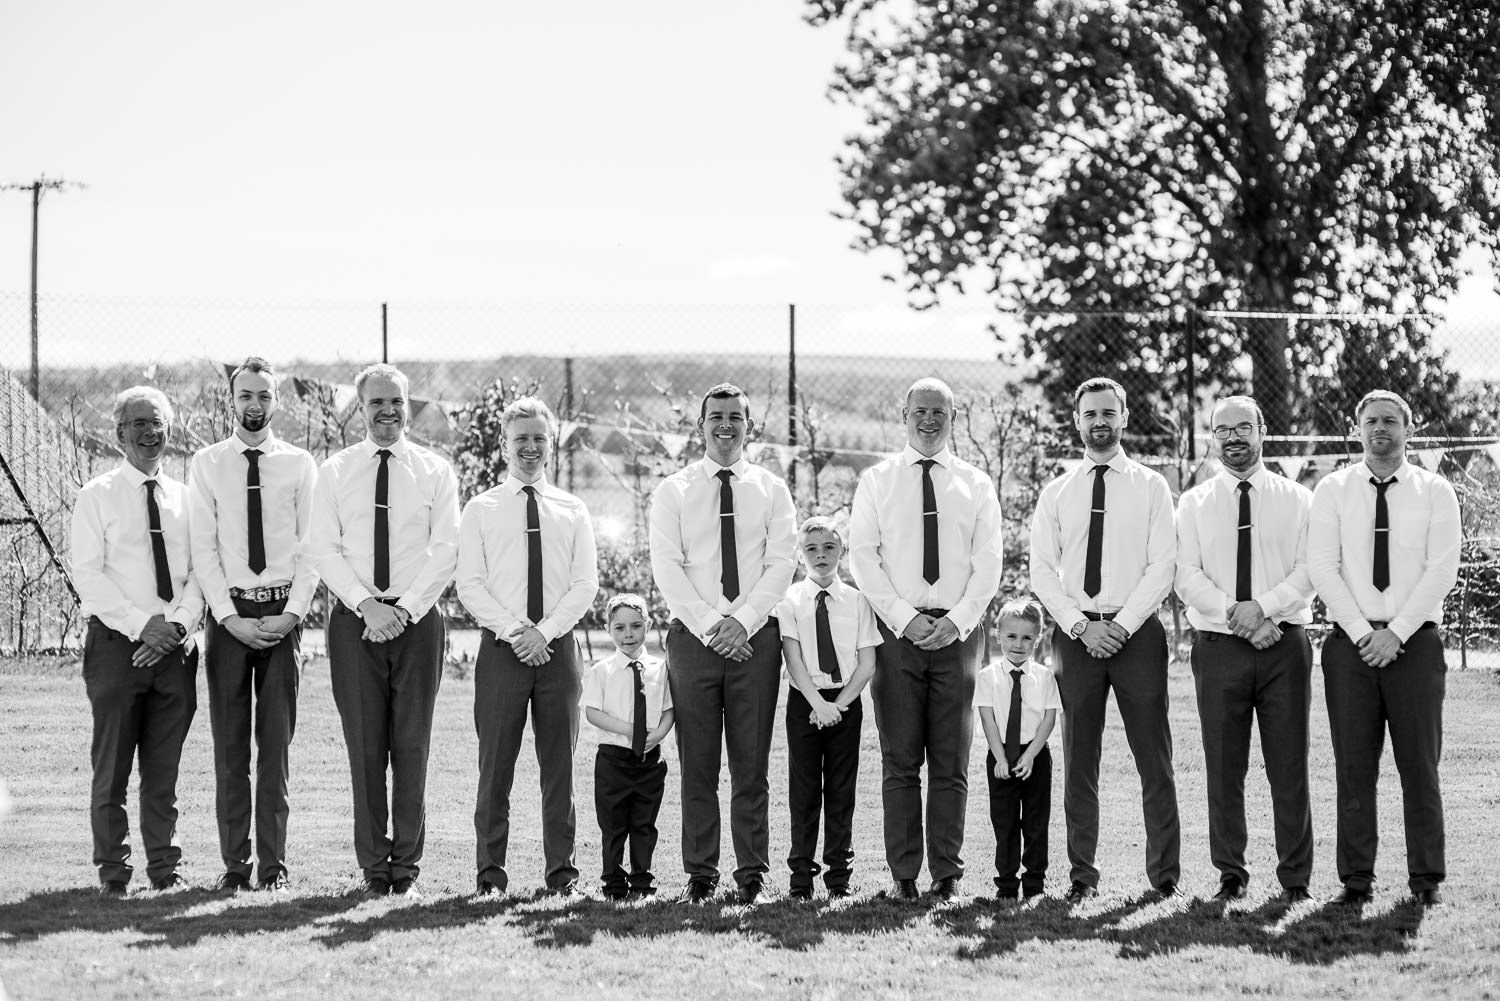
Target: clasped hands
(1022, 770)
(927, 633)
(728, 639)
(1103, 638)
(383, 622)
(158, 638)
(262, 633)
(529, 644)
(1248, 621)
(824, 713)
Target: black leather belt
(1378, 624)
(934, 613)
(1100, 616)
(1214, 635)
(273, 592)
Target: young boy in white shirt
(626, 696)
(1018, 702)
(828, 641)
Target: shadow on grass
(433, 914)
(170, 920)
(1144, 928)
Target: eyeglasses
(1242, 430)
(142, 424)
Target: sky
(455, 156)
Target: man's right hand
(160, 635)
(250, 633)
(919, 628)
(1101, 640)
(383, 622)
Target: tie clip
(252, 486)
(1382, 529)
(385, 507)
(926, 513)
(728, 514)
(533, 530)
(158, 531)
(1097, 510)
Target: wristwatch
(1078, 628)
(181, 630)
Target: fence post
(385, 343)
(567, 408)
(1192, 382)
(791, 399)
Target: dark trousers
(1138, 675)
(1236, 682)
(822, 773)
(385, 694)
(138, 711)
(1407, 697)
(627, 797)
(252, 693)
(721, 703)
(1020, 810)
(504, 689)
(924, 710)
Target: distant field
(58, 940)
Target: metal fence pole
(385, 342)
(791, 399)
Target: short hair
(528, 406)
(254, 363)
(820, 523)
(1377, 395)
(723, 391)
(626, 599)
(1026, 609)
(1260, 415)
(385, 372)
(148, 394)
(932, 383)
(1096, 385)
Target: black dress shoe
(1007, 894)
(1295, 895)
(1230, 889)
(172, 881)
(112, 888)
(232, 882)
(615, 893)
(802, 893)
(375, 886)
(1166, 888)
(1351, 897)
(839, 893)
(277, 882)
(698, 891)
(1427, 898)
(750, 892)
(567, 889)
(904, 889)
(1079, 892)
(407, 886)
(945, 889)
(1028, 894)
(488, 889)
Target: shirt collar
(1006, 666)
(1369, 473)
(135, 477)
(910, 456)
(1256, 479)
(513, 484)
(835, 590)
(398, 449)
(1118, 463)
(241, 446)
(711, 467)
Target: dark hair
(254, 363)
(1097, 385)
(723, 391)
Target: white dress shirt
(886, 533)
(423, 525)
(1038, 694)
(1424, 546)
(851, 623)
(1208, 518)
(685, 558)
(609, 686)
(492, 559)
(113, 567)
(221, 524)
(1140, 544)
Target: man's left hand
(1245, 618)
(943, 633)
(281, 624)
(728, 639)
(1380, 648)
(530, 646)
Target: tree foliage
(1132, 155)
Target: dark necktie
(1382, 535)
(828, 657)
(158, 544)
(1094, 558)
(383, 521)
(533, 557)
(1013, 720)
(729, 569)
(638, 713)
(929, 524)
(252, 511)
(1242, 547)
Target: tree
(1267, 154)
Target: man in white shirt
(722, 552)
(384, 536)
(1242, 572)
(132, 567)
(1103, 551)
(251, 499)
(1383, 552)
(527, 572)
(924, 548)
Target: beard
(1240, 460)
(253, 422)
(1105, 439)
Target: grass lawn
(58, 939)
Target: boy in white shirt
(828, 640)
(1019, 766)
(626, 696)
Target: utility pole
(36, 187)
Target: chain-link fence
(825, 385)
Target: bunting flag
(1291, 466)
(674, 443)
(417, 406)
(345, 396)
(1493, 451)
(229, 368)
(566, 432)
